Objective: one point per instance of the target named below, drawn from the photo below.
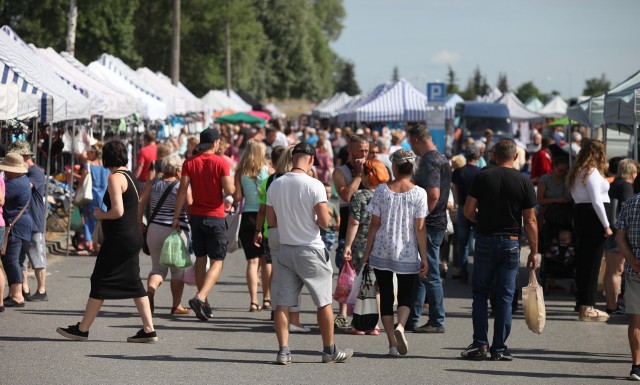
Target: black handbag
(165, 194)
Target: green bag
(76, 219)
(174, 252)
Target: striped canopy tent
(534, 104)
(517, 110)
(393, 102)
(329, 108)
(177, 99)
(555, 108)
(23, 66)
(116, 73)
(104, 100)
(17, 100)
(450, 105)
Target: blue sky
(557, 44)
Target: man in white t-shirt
(297, 206)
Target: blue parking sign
(436, 92)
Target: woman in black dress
(116, 274)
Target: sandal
(374, 332)
(179, 310)
(266, 304)
(593, 315)
(254, 307)
(355, 332)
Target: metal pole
(46, 192)
(635, 141)
(102, 129)
(35, 140)
(73, 143)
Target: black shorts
(209, 237)
(266, 251)
(247, 231)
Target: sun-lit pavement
(238, 347)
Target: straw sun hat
(13, 163)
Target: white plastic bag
(533, 305)
(355, 289)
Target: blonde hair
(591, 156)
(254, 158)
(285, 162)
(626, 167)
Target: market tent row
(216, 101)
(194, 104)
(118, 74)
(534, 104)
(178, 99)
(521, 116)
(17, 100)
(105, 101)
(622, 103)
(69, 102)
(390, 102)
(555, 108)
(329, 108)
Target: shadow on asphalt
(40, 339)
(535, 374)
(167, 358)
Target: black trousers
(589, 251)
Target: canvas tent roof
(389, 102)
(589, 112)
(216, 100)
(555, 108)
(104, 100)
(621, 103)
(194, 104)
(534, 104)
(239, 100)
(493, 96)
(329, 108)
(178, 102)
(18, 104)
(517, 110)
(38, 78)
(276, 113)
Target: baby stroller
(557, 241)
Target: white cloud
(445, 57)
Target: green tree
(395, 75)
(41, 22)
(476, 86)
(526, 91)
(503, 83)
(596, 86)
(330, 15)
(347, 80)
(452, 86)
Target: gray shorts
(632, 294)
(274, 248)
(298, 266)
(37, 253)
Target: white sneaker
(298, 329)
(393, 352)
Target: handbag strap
(163, 198)
(19, 215)
(131, 180)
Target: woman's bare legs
(90, 313)
(142, 304)
(266, 279)
(252, 278)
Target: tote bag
(233, 230)
(84, 194)
(365, 312)
(533, 305)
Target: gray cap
(471, 152)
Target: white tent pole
(46, 191)
(635, 140)
(73, 143)
(102, 129)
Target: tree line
(477, 85)
(279, 48)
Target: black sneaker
(503, 356)
(143, 337)
(616, 311)
(73, 333)
(475, 351)
(199, 307)
(37, 297)
(207, 309)
(635, 373)
(26, 294)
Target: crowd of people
(405, 209)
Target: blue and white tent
(19, 99)
(329, 108)
(22, 66)
(389, 102)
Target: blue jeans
(496, 263)
(431, 285)
(464, 230)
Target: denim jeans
(464, 229)
(496, 262)
(431, 285)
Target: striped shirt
(165, 214)
(629, 222)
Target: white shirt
(595, 191)
(293, 197)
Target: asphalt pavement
(239, 347)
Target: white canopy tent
(238, 100)
(621, 103)
(177, 102)
(216, 100)
(15, 104)
(534, 104)
(275, 112)
(194, 104)
(104, 100)
(589, 113)
(493, 96)
(41, 80)
(149, 106)
(329, 108)
(517, 110)
(555, 108)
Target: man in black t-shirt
(433, 175)
(499, 199)
(461, 180)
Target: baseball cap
(471, 152)
(207, 137)
(304, 148)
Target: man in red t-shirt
(541, 161)
(147, 156)
(208, 175)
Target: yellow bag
(533, 304)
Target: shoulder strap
(19, 215)
(130, 180)
(163, 198)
